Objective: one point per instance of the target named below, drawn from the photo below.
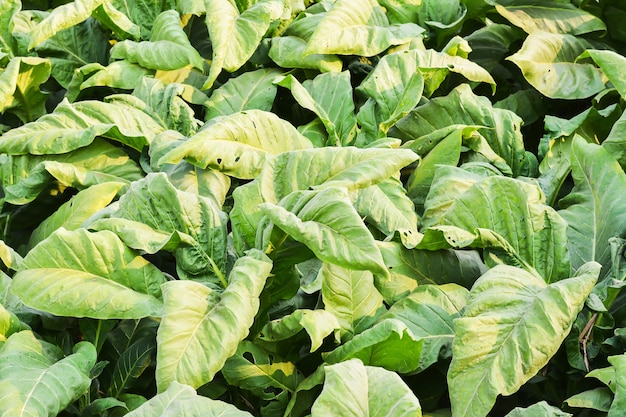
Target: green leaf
(494, 333)
(168, 48)
(610, 63)
(19, 87)
(348, 167)
(593, 214)
(9, 257)
(200, 329)
(289, 52)
(119, 23)
(131, 364)
(462, 107)
(62, 17)
(550, 16)
(182, 400)
(428, 313)
(73, 126)
(614, 143)
(255, 370)
(325, 96)
(235, 36)
(351, 297)
(81, 207)
(115, 283)
(358, 28)
(327, 223)
(238, 144)
(254, 90)
(541, 408)
(619, 402)
(35, 380)
(388, 344)
(8, 9)
(536, 233)
(155, 202)
(317, 323)
(144, 13)
(73, 48)
(25, 176)
(597, 399)
(548, 62)
(352, 389)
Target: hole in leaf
(249, 357)
(219, 161)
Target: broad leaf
(535, 231)
(73, 126)
(131, 365)
(619, 401)
(594, 210)
(155, 202)
(36, 380)
(611, 64)
(168, 48)
(348, 167)
(541, 408)
(181, 400)
(118, 74)
(325, 96)
(239, 143)
(254, 90)
(9, 257)
(351, 389)
(114, 283)
(493, 352)
(463, 107)
(19, 87)
(200, 328)
(358, 28)
(327, 223)
(289, 52)
(62, 17)
(548, 62)
(72, 214)
(8, 9)
(235, 36)
(550, 16)
(351, 297)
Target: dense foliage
(326, 208)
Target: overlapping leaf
(82, 274)
(493, 351)
(200, 328)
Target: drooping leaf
(234, 35)
(593, 210)
(182, 400)
(610, 63)
(25, 176)
(597, 399)
(168, 48)
(289, 52)
(358, 28)
(317, 323)
(200, 329)
(9, 257)
(493, 333)
(119, 23)
(8, 9)
(352, 389)
(619, 401)
(254, 90)
(82, 274)
(535, 231)
(118, 74)
(73, 126)
(72, 214)
(239, 143)
(463, 107)
(327, 223)
(325, 96)
(36, 380)
(155, 202)
(348, 167)
(62, 17)
(131, 365)
(19, 87)
(550, 16)
(74, 47)
(548, 62)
